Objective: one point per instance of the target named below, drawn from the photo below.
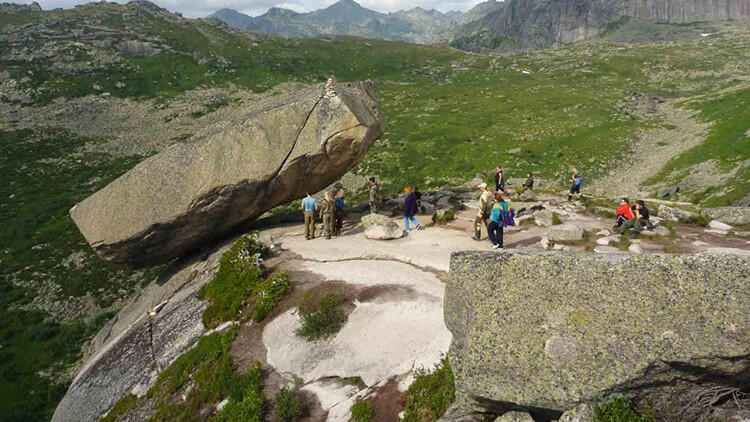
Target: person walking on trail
(485, 203)
(577, 180)
(499, 179)
(640, 221)
(326, 211)
(495, 228)
(410, 209)
(374, 199)
(529, 183)
(338, 211)
(623, 213)
(309, 206)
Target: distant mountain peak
(346, 3)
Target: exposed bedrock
(193, 192)
(543, 332)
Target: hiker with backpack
(485, 203)
(577, 180)
(498, 214)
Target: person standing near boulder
(309, 206)
(529, 183)
(410, 209)
(338, 212)
(495, 229)
(374, 199)
(499, 179)
(577, 180)
(326, 211)
(485, 202)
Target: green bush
(619, 410)
(556, 221)
(697, 219)
(321, 317)
(443, 216)
(267, 294)
(429, 396)
(288, 405)
(362, 411)
(240, 274)
(246, 401)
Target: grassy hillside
(451, 115)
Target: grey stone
(515, 417)
(380, 227)
(675, 214)
(191, 193)
(582, 413)
(565, 233)
(729, 215)
(580, 327)
(668, 191)
(526, 208)
(527, 196)
(514, 151)
(543, 218)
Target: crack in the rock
(151, 343)
(324, 145)
(296, 138)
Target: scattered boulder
(443, 216)
(565, 233)
(194, 192)
(526, 208)
(604, 241)
(675, 214)
(606, 249)
(380, 227)
(514, 151)
(718, 225)
(657, 231)
(582, 413)
(635, 248)
(521, 315)
(527, 196)
(668, 191)
(515, 417)
(729, 215)
(544, 218)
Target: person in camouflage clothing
(375, 198)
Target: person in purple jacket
(410, 209)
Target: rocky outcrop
(525, 24)
(191, 193)
(543, 332)
(729, 215)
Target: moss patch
(429, 396)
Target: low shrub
(429, 396)
(697, 219)
(443, 216)
(321, 317)
(267, 294)
(619, 410)
(288, 406)
(556, 221)
(362, 411)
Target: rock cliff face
(192, 193)
(544, 332)
(525, 24)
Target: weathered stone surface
(675, 214)
(546, 330)
(582, 413)
(147, 335)
(191, 193)
(543, 218)
(380, 227)
(527, 196)
(515, 417)
(729, 215)
(565, 233)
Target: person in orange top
(624, 213)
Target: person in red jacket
(624, 213)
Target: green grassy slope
(451, 114)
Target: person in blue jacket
(495, 228)
(577, 180)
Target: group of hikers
(632, 216)
(494, 211)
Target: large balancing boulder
(543, 332)
(192, 193)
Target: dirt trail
(679, 131)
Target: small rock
(565, 233)
(604, 232)
(380, 227)
(514, 151)
(718, 225)
(527, 196)
(699, 243)
(634, 248)
(582, 413)
(543, 218)
(604, 241)
(606, 249)
(515, 417)
(544, 242)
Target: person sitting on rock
(374, 199)
(623, 213)
(529, 183)
(410, 209)
(495, 228)
(485, 203)
(640, 221)
(577, 180)
(338, 212)
(309, 206)
(326, 211)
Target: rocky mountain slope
(526, 24)
(346, 17)
(88, 93)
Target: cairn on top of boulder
(192, 193)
